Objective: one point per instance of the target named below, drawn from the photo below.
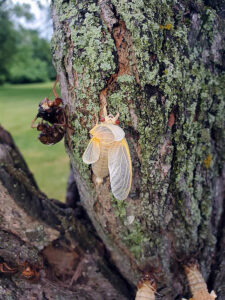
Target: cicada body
(53, 130)
(109, 154)
(197, 283)
(146, 289)
(100, 167)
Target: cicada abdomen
(146, 289)
(197, 283)
(100, 167)
(108, 152)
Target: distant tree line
(24, 56)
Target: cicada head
(110, 119)
(148, 280)
(146, 288)
(58, 101)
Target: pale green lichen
(185, 81)
(93, 61)
(119, 207)
(135, 238)
(172, 77)
(131, 234)
(119, 99)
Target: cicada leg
(32, 123)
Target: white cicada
(108, 152)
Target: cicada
(197, 283)
(146, 289)
(53, 130)
(109, 154)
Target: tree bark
(44, 235)
(161, 65)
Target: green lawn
(49, 164)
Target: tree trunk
(161, 65)
(47, 250)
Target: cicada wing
(92, 153)
(117, 131)
(120, 169)
(108, 133)
(102, 133)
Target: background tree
(24, 55)
(161, 65)
(32, 60)
(8, 41)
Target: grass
(49, 164)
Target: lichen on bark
(159, 63)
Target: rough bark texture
(161, 65)
(58, 242)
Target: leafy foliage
(7, 42)
(32, 60)
(24, 56)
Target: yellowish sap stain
(207, 161)
(167, 26)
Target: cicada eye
(57, 101)
(102, 119)
(117, 122)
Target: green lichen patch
(134, 239)
(121, 98)
(165, 61)
(179, 72)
